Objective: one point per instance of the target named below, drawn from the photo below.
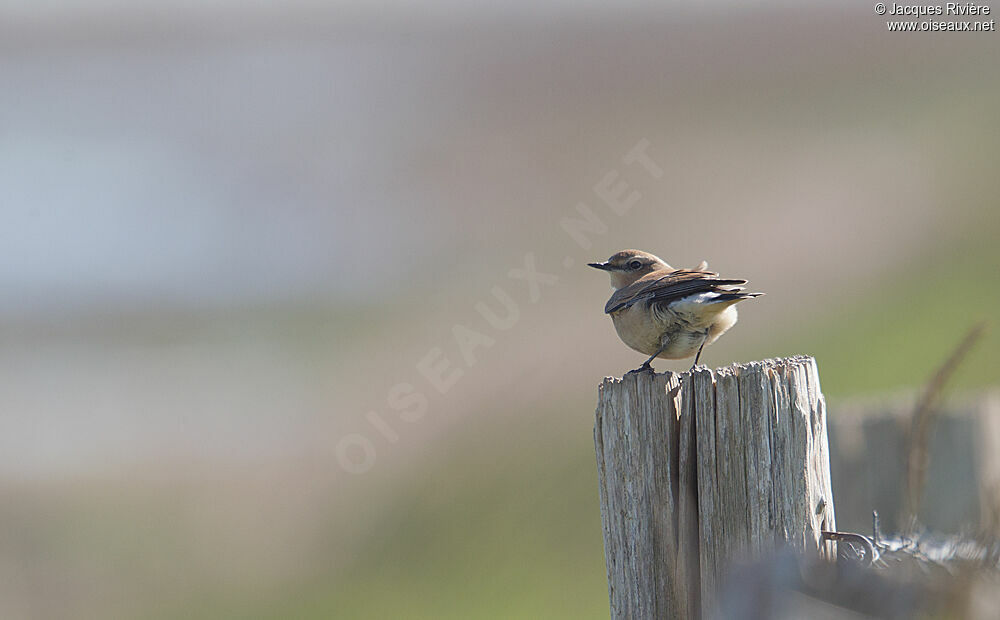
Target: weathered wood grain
(703, 469)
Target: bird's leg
(698, 355)
(645, 365)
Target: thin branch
(922, 421)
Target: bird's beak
(602, 266)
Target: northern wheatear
(666, 312)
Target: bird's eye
(634, 264)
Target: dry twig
(922, 420)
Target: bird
(665, 312)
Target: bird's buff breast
(638, 329)
(643, 330)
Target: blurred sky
(254, 161)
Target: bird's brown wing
(668, 286)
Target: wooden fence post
(700, 469)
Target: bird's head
(627, 266)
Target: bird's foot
(642, 368)
(695, 367)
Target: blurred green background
(230, 232)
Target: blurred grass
(483, 539)
(897, 334)
(503, 524)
